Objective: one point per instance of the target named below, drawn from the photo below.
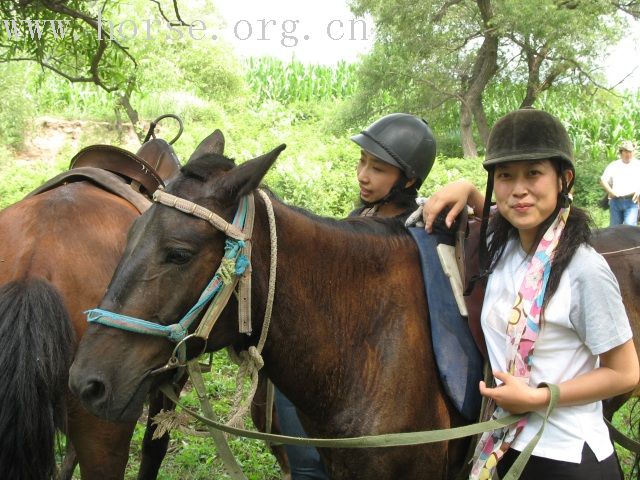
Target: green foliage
(19, 179)
(429, 56)
(16, 105)
(64, 38)
(446, 170)
(627, 420)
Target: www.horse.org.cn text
(287, 32)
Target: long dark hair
(577, 231)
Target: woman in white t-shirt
(552, 311)
(621, 181)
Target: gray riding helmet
(402, 140)
(528, 134)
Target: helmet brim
(524, 157)
(375, 149)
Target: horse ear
(246, 177)
(214, 143)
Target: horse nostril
(93, 391)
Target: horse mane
(201, 168)
(386, 226)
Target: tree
(76, 40)
(431, 53)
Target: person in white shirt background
(621, 181)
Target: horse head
(170, 258)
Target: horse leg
(154, 450)
(259, 417)
(102, 447)
(68, 463)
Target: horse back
(72, 236)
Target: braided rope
(620, 251)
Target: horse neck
(329, 279)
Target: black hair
(576, 232)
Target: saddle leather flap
(160, 156)
(119, 161)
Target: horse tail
(36, 350)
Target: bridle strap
(244, 283)
(186, 206)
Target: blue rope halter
(233, 264)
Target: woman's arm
(455, 195)
(618, 373)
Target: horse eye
(178, 256)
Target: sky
(311, 32)
(326, 32)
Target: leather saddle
(132, 176)
(154, 164)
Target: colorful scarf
(522, 332)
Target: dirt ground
(51, 137)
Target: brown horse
(58, 250)
(620, 246)
(349, 341)
(351, 370)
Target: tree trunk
(481, 120)
(534, 61)
(484, 68)
(469, 148)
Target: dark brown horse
(352, 369)
(620, 246)
(349, 341)
(58, 250)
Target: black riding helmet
(529, 134)
(402, 140)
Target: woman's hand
(618, 373)
(514, 395)
(455, 195)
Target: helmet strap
(396, 194)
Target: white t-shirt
(624, 178)
(584, 318)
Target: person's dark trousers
(540, 468)
(305, 462)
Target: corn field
(273, 79)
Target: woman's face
(526, 194)
(376, 178)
